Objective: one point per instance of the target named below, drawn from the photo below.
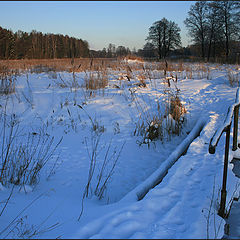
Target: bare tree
(196, 22)
(164, 35)
(111, 50)
(122, 51)
(148, 50)
(214, 29)
(230, 20)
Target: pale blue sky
(99, 22)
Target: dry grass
(96, 80)
(189, 72)
(233, 78)
(180, 67)
(177, 111)
(142, 79)
(63, 64)
(202, 70)
(7, 80)
(156, 123)
(100, 169)
(23, 155)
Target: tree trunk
(203, 50)
(227, 48)
(226, 34)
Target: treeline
(111, 52)
(214, 27)
(36, 45)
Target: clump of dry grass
(106, 170)
(180, 67)
(96, 80)
(23, 155)
(189, 72)
(153, 130)
(203, 71)
(233, 77)
(105, 167)
(177, 111)
(160, 121)
(7, 79)
(142, 80)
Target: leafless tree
(165, 36)
(229, 13)
(214, 29)
(196, 23)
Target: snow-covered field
(104, 125)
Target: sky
(123, 23)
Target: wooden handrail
(226, 127)
(227, 123)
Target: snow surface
(176, 208)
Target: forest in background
(36, 45)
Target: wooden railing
(226, 127)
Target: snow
(178, 207)
(233, 221)
(1, 187)
(159, 174)
(132, 61)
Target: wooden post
(221, 211)
(235, 128)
